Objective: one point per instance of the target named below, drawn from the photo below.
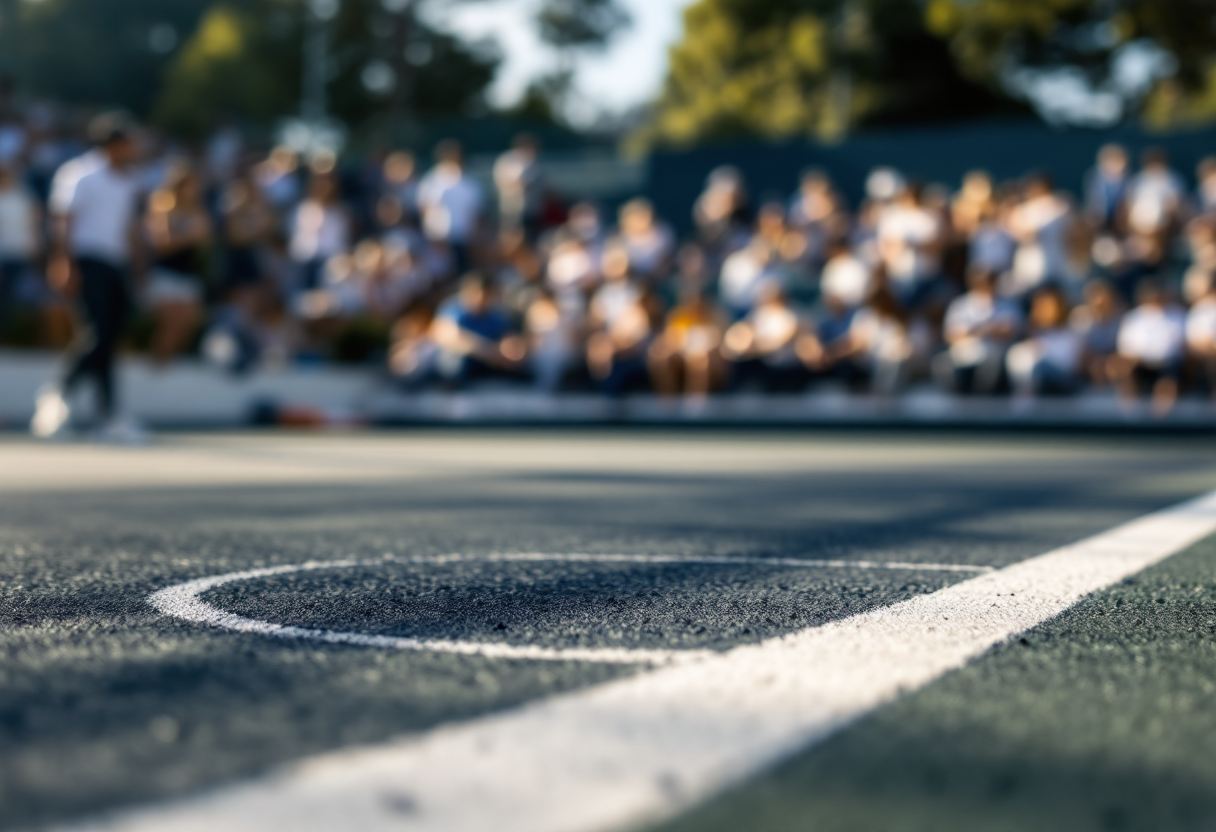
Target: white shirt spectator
(1153, 199)
(319, 231)
(903, 233)
(742, 274)
(649, 251)
(101, 203)
(450, 203)
(1153, 335)
(19, 231)
(614, 299)
(847, 280)
(1043, 224)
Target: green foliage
(92, 51)
(245, 61)
(233, 67)
(779, 68)
(992, 38)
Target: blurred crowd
(447, 281)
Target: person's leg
(989, 373)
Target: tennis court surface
(610, 630)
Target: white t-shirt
(614, 299)
(1153, 335)
(846, 279)
(742, 274)
(319, 231)
(1152, 196)
(902, 231)
(18, 224)
(101, 203)
(450, 205)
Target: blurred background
(562, 208)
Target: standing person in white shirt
(451, 204)
(20, 234)
(95, 228)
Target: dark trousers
(106, 302)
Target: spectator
(878, 349)
(650, 243)
(910, 239)
(979, 328)
(1106, 189)
(686, 357)
(765, 346)
(322, 226)
(1097, 321)
(1151, 345)
(521, 187)
(1049, 362)
(1155, 196)
(179, 233)
(1201, 336)
(1041, 225)
(451, 204)
(20, 237)
(474, 335)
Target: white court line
(648, 746)
(182, 601)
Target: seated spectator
(1097, 321)
(910, 237)
(878, 348)
(617, 351)
(474, 336)
(20, 237)
(553, 332)
(1042, 225)
(1155, 196)
(743, 273)
(764, 347)
(649, 242)
(1201, 335)
(687, 356)
(180, 234)
(978, 330)
(1151, 344)
(322, 226)
(846, 280)
(451, 203)
(413, 353)
(1049, 362)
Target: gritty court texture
(596, 631)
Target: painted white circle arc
(183, 601)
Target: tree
(386, 65)
(780, 68)
(107, 53)
(570, 27)
(1018, 45)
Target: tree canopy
(809, 67)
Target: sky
(629, 73)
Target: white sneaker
(119, 431)
(52, 415)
